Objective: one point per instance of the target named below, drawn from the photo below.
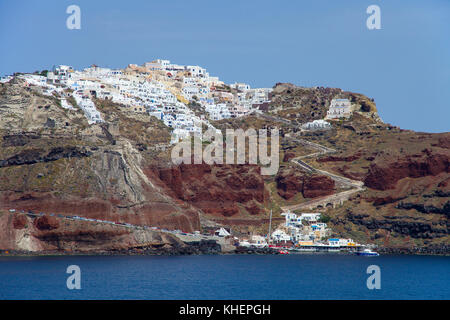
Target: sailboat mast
(270, 227)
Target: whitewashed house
(339, 108)
(311, 217)
(5, 79)
(60, 74)
(197, 71)
(316, 125)
(280, 236)
(240, 86)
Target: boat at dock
(367, 252)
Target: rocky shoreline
(210, 247)
(433, 250)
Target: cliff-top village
(166, 91)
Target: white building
(222, 232)
(150, 88)
(311, 217)
(294, 220)
(316, 125)
(65, 104)
(60, 74)
(5, 79)
(197, 71)
(86, 104)
(341, 242)
(258, 241)
(240, 86)
(339, 108)
(280, 236)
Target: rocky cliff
(24, 234)
(221, 190)
(52, 161)
(92, 171)
(406, 201)
(291, 181)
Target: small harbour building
(341, 242)
(222, 232)
(280, 236)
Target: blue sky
(405, 66)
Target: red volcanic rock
(234, 182)
(19, 222)
(346, 172)
(230, 211)
(215, 189)
(222, 208)
(46, 223)
(172, 177)
(384, 176)
(384, 200)
(288, 156)
(351, 158)
(254, 182)
(290, 182)
(318, 186)
(253, 209)
(443, 184)
(195, 170)
(152, 213)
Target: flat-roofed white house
(5, 79)
(197, 71)
(280, 236)
(60, 74)
(189, 92)
(311, 217)
(339, 108)
(258, 241)
(316, 125)
(33, 79)
(240, 86)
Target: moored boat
(367, 252)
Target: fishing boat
(367, 252)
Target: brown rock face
(152, 213)
(253, 209)
(46, 223)
(290, 182)
(46, 235)
(443, 142)
(318, 186)
(351, 158)
(384, 176)
(19, 222)
(215, 189)
(288, 156)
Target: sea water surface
(302, 276)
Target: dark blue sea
(303, 276)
